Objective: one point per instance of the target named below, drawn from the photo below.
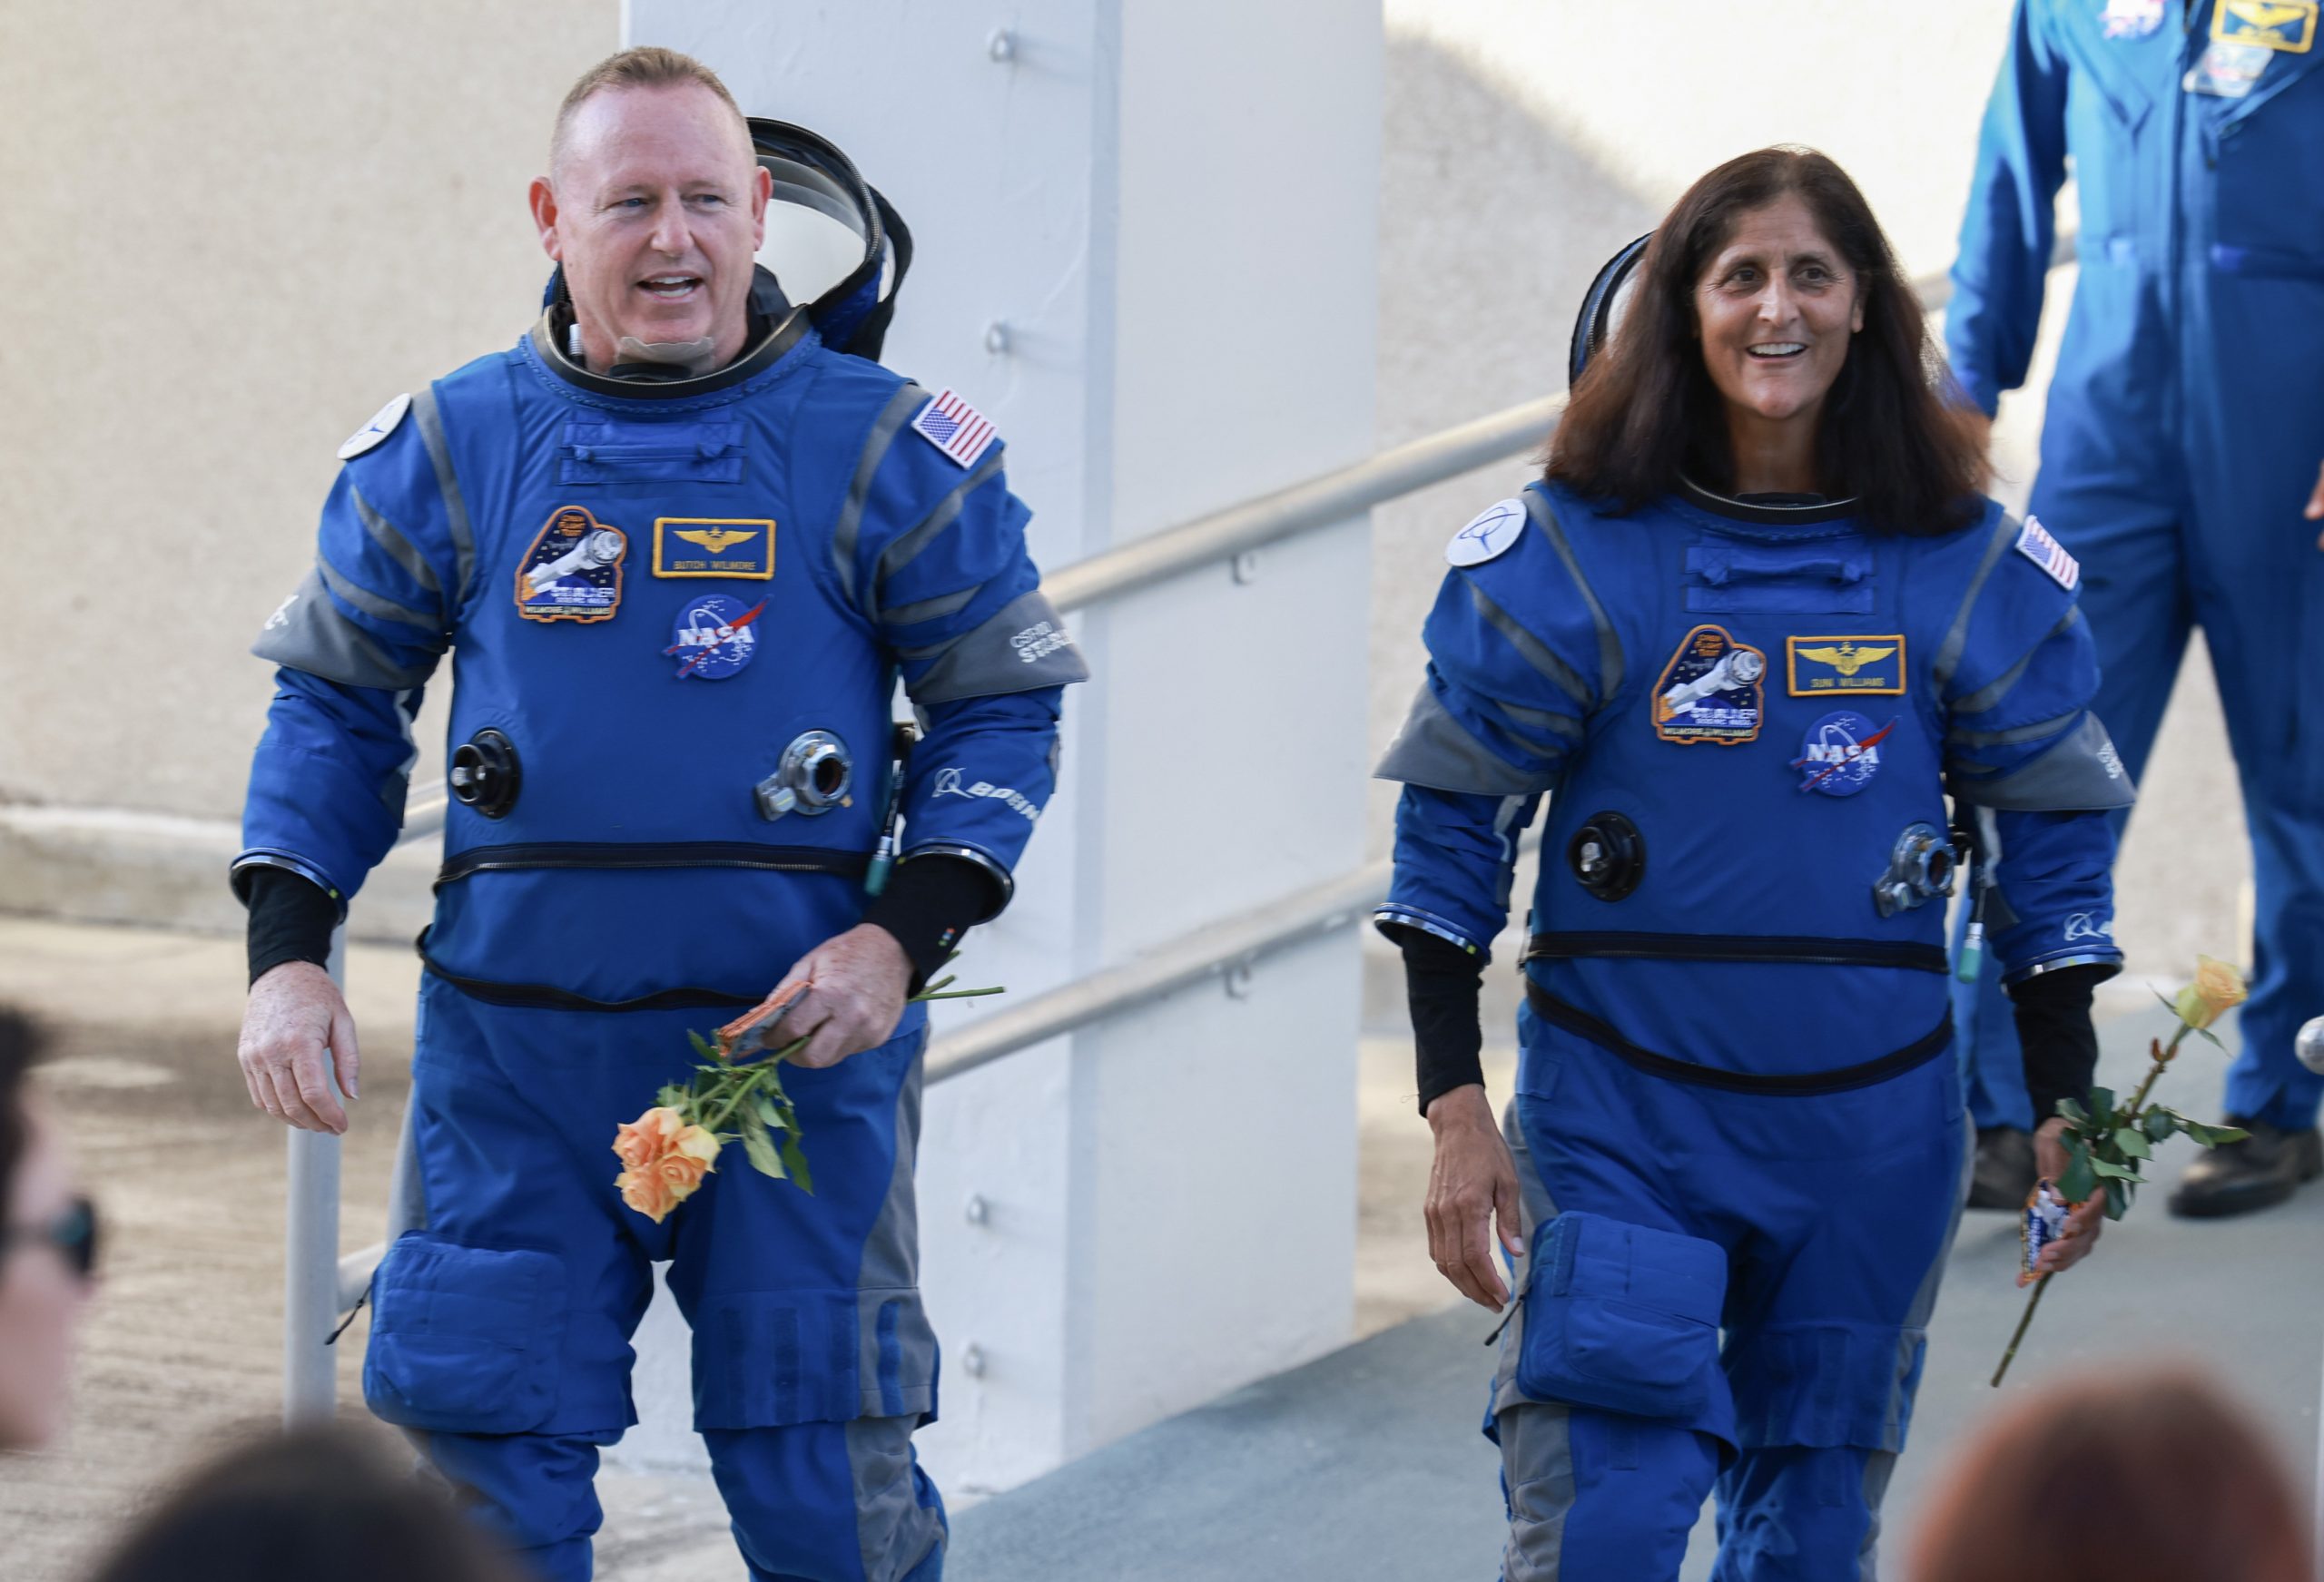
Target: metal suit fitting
(1920, 870)
(1608, 856)
(485, 774)
(813, 776)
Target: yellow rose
(2217, 989)
(666, 1159)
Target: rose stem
(2032, 1303)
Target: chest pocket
(1824, 579)
(708, 450)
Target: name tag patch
(1713, 690)
(714, 547)
(713, 637)
(2287, 26)
(1817, 666)
(573, 571)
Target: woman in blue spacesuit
(1753, 627)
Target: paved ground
(1363, 1465)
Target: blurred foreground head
(317, 1506)
(2109, 1479)
(45, 1243)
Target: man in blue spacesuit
(1747, 682)
(681, 546)
(2180, 451)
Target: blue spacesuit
(1731, 1113)
(677, 614)
(2185, 420)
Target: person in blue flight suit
(2181, 446)
(1749, 631)
(681, 545)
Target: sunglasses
(73, 1233)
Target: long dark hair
(1894, 433)
(21, 1042)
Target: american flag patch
(954, 428)
(2036, 546)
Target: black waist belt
(1768, 948)
(542, 996)
(1804, 1084)
(664, 854)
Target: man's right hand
(1471, 1184)
(297, 1021)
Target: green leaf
(2072, 1111)
(796, 1157)
(770, 1114)
(2208, 1036)
(2132, 1143)
(2118, 1200)
(2160, 1123)
(2113, 1172)
(2226, 1135)
(673, 1096)
(761, 1149)
(2080, 1179)
(702, 1045)
(2102, 1104)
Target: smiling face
(656, 207)
(1774, 309)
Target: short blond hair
(645, 65)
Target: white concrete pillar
(1146, 235)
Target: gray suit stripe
(1610, 645)
(401, 549)
(1561, 725)
(1956, 638)
(1536, 1437)
(1993, 692)
(447, 484)
(907, 546)
(2011, 738)
(1534, 650)
(930, 609)
(373, 605)
(891, 421)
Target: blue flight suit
(650, 591)
(1732, 1110)
(2185, 420)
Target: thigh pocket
(465, 1339)
(1623, 1318)
(1826, 1385)
(770, 1358)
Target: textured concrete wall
(234, 230)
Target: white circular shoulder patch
(382, 424)
(1495, 529)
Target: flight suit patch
(573, 571)
(1713, 690)
(714, 547)
(1840, 754)
(1820, 666)
(713, 637)
(2288, 26)
(2132, 18)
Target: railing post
(311, 1259)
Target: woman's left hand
(2084, 1222)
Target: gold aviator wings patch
(717, 540)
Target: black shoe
(2003, 1176)
(2235, 1178)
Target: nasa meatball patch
(713, 637)
(573, 571)
(382, 424)
(1713, 690)
(1840, 754)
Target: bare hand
(2084, 1222)
(859, 980)
(2315, 512)
(296, 1021)
(1471, 1185)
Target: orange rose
(2217, 989)
(665, 1158)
